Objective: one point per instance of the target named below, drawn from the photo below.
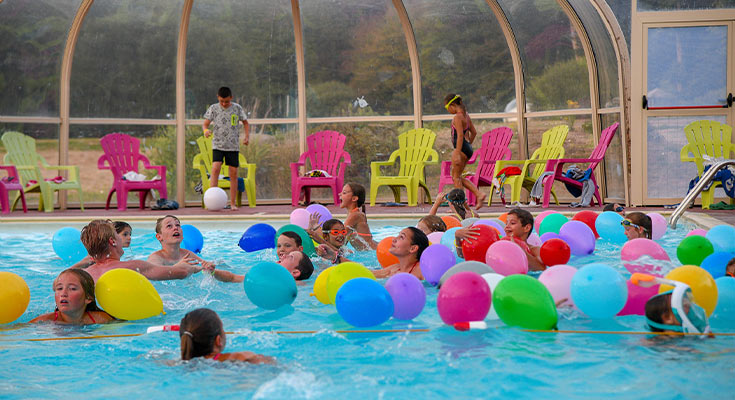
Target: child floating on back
(75, 301)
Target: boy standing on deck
(226, 116)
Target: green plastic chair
(415, 150)
(22, 153)
(713, 140)
(203, 162)
(552, 148)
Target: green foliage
(561, 86)
(162, 151)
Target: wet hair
(420, 239)
(457, 101)
(96, 237)
(524, 216)
(642, 220)
(293, 235)
(306, 267)
(197, 331)
(328, 224)
(224, 92)
(359, 191)
(159, 222)
(121, 225)
(609, 207)
(656, 307)
(434, 223)
(87, 282)
(459, 200)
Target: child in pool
(75, 301)
(296, 262)
(202, 335)
(288, 242)
(616, 207)
(352, 199)
(730, 268)
(430, 224)
(518, 226)
(457, 202)
(170, 235)
(332, 237)
(637, 225)
(123, 229)
(407, 247)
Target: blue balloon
(258, 237)
(722, 238)
(363, 302)
(725, 298)
(68, 245)
(193, 239)
(716, 263)
(599, 290)
(268, 285)
(608, 227)
(448, 240)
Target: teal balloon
(599, 290)
(306, 241)
(722, 238)
(608, 227)
(363, 302)
(68, 245)
(448, 240)
(552, 223)
(520, 300)
(725, 309)
(268, 285)
(694, 249)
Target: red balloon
(555, 252)
(589, 218)
(476, 250)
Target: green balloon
(552, 223)
(694, 249)
(306, 241)
(523, 301)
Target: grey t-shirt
(225, 126)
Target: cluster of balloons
(301, 216)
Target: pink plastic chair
(122, 155)
(595, 158)
(11, 182)
(325, 149)
(494, 147)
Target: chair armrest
(685, 154)
(434, 158)
(73, 171)
(343, 166)
(102, 162)
(250, 168)
(12, 171)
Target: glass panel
(253, 56)
(621, 9)
(554, 64)
(614, 168)
(668, 177)
(35, 32)
(663, 5)
(125, 60)
(687, 66)
(462, 50)
(356, 59)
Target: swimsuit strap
(56, 315)
(216, 356)
(89, 314)
(412, 267)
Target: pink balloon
(637, 298)
(506, 258)
(558, 280)
(534, 240)
(659, 224)
(636, 248)
(300, 217)
(464, 297)
(435, 237)
(700, 232)
(540, 217)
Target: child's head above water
(615, 207)
(409, 241)
(519, 223)
(457, 201)
(334, 232)
(431, 223)
(298, 264)
(125, 231)
(98, 237)
(637, 225)
(74, 291)
(353, 193)
(201, 334)
(287, 242)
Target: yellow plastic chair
(415, 149)
(709, 139)
(552, 148)
(22, 153)
(203, 162)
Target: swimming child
(123, 229)
(463, 134)
(288, 242)
(674, 310)
(457, 202)
(430, 224)
(407, 247)
(75, 301)
(614, 207)
(637, 225)
(518, 226)
(353, 200)
(332, 236)
(202, 335)
(296, 262)
(170, 235)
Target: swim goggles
(450, 102)
(337, 232)
(619, 209)
(691, 317)
(627, 222)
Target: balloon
(269, 285)
(14, 296)
(504, 217)
(215, 198)
(637, 298)
(464, 297)
(408, 294)
(500, 229)
(599, 290)
(324, 213)
(722, 238)
(475, 250)
(552, 223)
(306, 241)
(700, 281)
(555, 252)
(534, 240)
(474, 266)
(320, 286)
(549, 235)
(300, 218)
(193, 239)
(716, 263)
(726, 301)
(363, 302)
(384, 257)
(449, 240)
(257, 237)
(469, 222)
(499, 222)
(579, 237)
(608, 226)
(558, 280)
(128, 295)
(637, 248)
(435, 237)
(451, 222)
(492, 281)
(539, 218)
(68, 245)
(523, 301)
(658, 225)
(589, 218)
(506, 258)
(342, 273)
(694, 249)
(700, 232)
(435, 261)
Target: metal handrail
(696, 190)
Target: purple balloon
(489, 222)
(435, 261)
(409, 296)
(579, 237)
(548, 235)
(324, 214)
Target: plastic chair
(203, 162)
(494, 147)
(415, 150)
(122, 155)
(707, 139)
(324, 151)
(21, 152)
(11, 182)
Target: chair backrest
(709, 138)
(122, 153)
(325, 149)
(495, 146)
(552, 147)
(21, 151)
(205, 154)
(605, 138)
(414, 149)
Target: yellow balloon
(14, 297)
(126, 294)
(342, 273)
(703, 285)
(320, 286)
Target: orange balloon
(384, 257)
(451, 222)
(503, 217)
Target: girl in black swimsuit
(462, 143)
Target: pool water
(438, 364)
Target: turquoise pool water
(441, 363)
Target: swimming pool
(440, 363)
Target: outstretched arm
(180, 270)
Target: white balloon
(492, 281)
(215, 199)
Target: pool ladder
(697, 189)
